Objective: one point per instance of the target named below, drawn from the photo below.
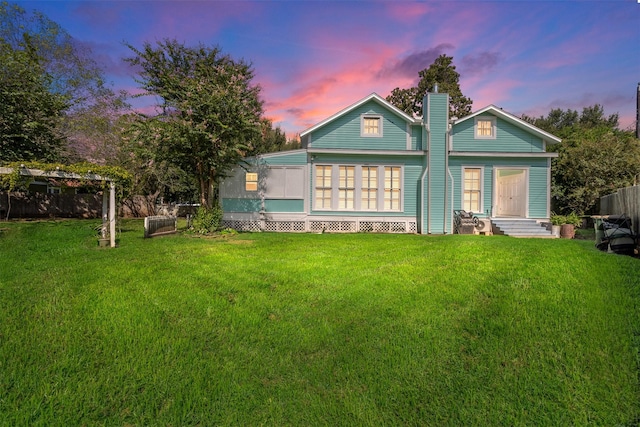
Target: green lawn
(314, 329)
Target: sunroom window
(391, 188)
(323, 187)
(369, 193)
(346, 187)
(251, 181)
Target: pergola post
(105, 215)
(112, 213)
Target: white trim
(522, 154)
(373, 97)
(365, 152)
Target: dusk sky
(314, 58)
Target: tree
(564, 123)
(593, 163)
(443, 73)
(29, 113)
(595, 158)
(73, 73)
(211, 111)
(60, 71)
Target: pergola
(108, 199)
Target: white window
(392, 188)
(346, 187)
(251, 181)
(358, 188)
(371, 126)
(323, 187)
(369, 192)
(472, 190)
(485, 128)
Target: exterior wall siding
(509, 138)
(416, 138)
(538, 185)
(344, 132)
(286, 158)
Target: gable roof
(373, 97)
(513, 120)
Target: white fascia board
(364, 152)
(546, 136)
(373, 97)
(523, 154)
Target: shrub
(207, 220)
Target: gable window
(371, 126)
(251, 181)
(485, 128)
(369, 193)
(391, 188)
(346, 187)
(472, 190)
(323, 187)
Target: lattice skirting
(327, 226)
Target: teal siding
(538, 186)
(283, 158)
(293, 158)
(416, 137)
(344, 131)
(241, 205)
(284, 205)
(437, 184)
(509, 138)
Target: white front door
(511, 187)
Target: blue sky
(313, 58)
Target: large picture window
(471, 198)
(323, 187)
(392, 188)
(369, 193)
(369, 188)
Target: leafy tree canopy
(443, 73)
(595, 158)
(56, 105)
(211, 111)
(30, 114)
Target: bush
(207, 220)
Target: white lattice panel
(333, 226)
(285, 226)
(242, 225)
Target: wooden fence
(624, 201)
(158, 225)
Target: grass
(306, 329)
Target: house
(372, 167)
